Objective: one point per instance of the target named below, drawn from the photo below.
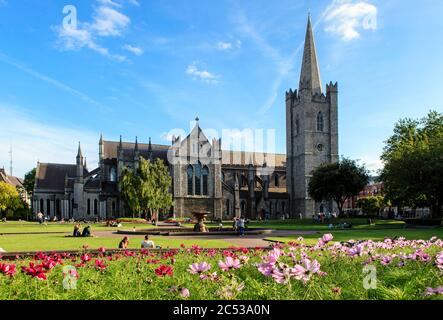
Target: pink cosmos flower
(198, 268)
(185, 293)
(102, 250)
(327, 238)
(229, 264)
(430, 291)
(386, 260)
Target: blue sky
(142, 68)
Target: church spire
(79, 153)
(310, 73)
(150, 150)
(136, 144)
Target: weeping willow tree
(147, 191)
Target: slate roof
(236, 158)
(111, 150)
(51, 176)
(11, 180)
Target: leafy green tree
(413, 163)
(10, 200)
(371, 205)
(161, 197)
(338, 182)
(148, 190)
(129, 190)
(29, 181)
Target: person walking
(241, 226)
(235, 224)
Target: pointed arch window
(198, 179)
(205, 175)
(277, 180)
(112, 175)
(320, 122)
(89, 206)
(190, 177)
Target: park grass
(34, 227)
(49, 242)
(375, 235)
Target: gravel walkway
(246, 241)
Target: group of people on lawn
(85, 233)
(145, 244)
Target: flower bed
(399, 269)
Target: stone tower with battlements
(311, 131)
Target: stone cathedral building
(205, 177)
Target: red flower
(164, 270)
(36, 271)
(102, 250)
(99, 264)
(85, 258)
(152, 261)
(8, 269)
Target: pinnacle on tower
(310, 72)
(79, 153)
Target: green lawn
(376, 235)
(47, 242)
(29, 227)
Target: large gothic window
(198, 179)
(190, 177)
(277, 180)
(205, 175)
(320, 122)
(89, 206)
(112, 175)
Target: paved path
(246, 241)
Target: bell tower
(311, 131)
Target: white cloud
(226, 45)
(135, 50)
(203, 75)
(33, 140)
(109, 22)
(347, 18)
(73, 39)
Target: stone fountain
(201, 218)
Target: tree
(129, 191)
(148, 190)
(10, 200)
(338, 182)
(371, 205)
(161, 197)
(29, 181)
(413, 163)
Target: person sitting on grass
(147, 244)
(76, 232)
(86, 232)
(124, 243)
